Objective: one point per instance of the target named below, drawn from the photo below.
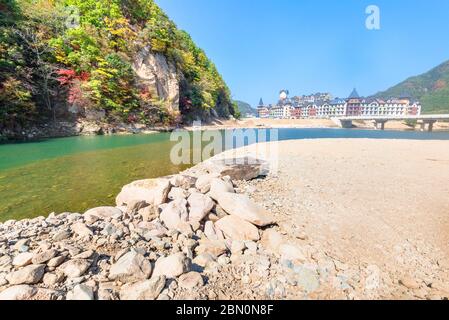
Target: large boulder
(27, 275)
(153, 191)
(172, 266)
(143, 290)
(245, 168)
(237, 229)
(131, 267)
(200, 206)
(241, 206)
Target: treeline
(57, 53)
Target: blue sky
(262, 46)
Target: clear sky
(263, 46)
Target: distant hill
(430, 88)
(245, 108)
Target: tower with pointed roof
(354, 94)
(354, 104)
(261, 104)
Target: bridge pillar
(380, 124)
(422, 125)
(430, 125)
(347, 124)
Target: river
(76, 173)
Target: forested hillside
(245, 108)
(431, 88)
(60, 58)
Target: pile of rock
(159, 240)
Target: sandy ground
(377, 209)
(308, 123)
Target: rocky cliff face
(159, 76)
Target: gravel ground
(373, 213)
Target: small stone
(237, 246)
(203, 259)
(177, 193)
(27, 275)
(149, 213)
(174, 214)
(218, 187)
(61, 235)
(81, 292)
(143, 290)
(19, 244)
(131, 267)
(50, 279)
(200, 206)
(215, 248)
(23, 259)
(210, 231)
(84, 255)
(136, 205)
(241, 206)
(204, 181)
(181, 181)
(237, 229)
(45, 256)
(75, 268)
(251, 246)
(56, 261)
(172, 266)
(191, 280)
(409, 283)
(272, 240)
(20, 292)
(153, 191)
(82, 230)
(292, 253)
(223, 260)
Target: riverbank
(86, 128)
(256, 123)
(338, 219)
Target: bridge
(379, 121)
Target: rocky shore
(321, 226)
(167, 238)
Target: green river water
(77, 173)
(73, 174)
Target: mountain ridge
(431, 88)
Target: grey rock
(27, 275)
(130, 267)
(172, 266)
(143, 290)
(75, 268)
